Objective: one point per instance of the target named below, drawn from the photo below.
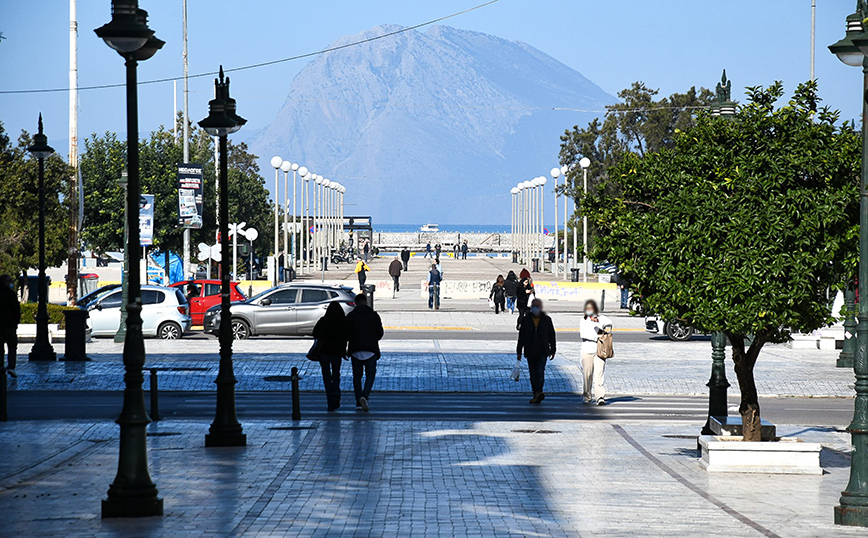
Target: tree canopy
(742, 225)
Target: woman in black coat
(498, 295)
(331, 333)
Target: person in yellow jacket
(362, 270)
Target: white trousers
(594, 370)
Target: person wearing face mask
(10, 317)
(593, 367)
(536, 340)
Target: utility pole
(186, 264)
(72, 256)
(813, 35)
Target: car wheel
(169, 331)
(678, 331)
(240, 330)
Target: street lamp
(305, 199)
(564, 171)
(276, 162)
(125, 279)
(584, 163)
(556, 173)
(317, 218)
(42, 349)
(853, 505)
(221, 121)
(132, 493)
(294, 168)
(285, 167)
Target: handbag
(604, 345)
(315, 351)
(516, 371)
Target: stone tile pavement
(649, 368)
(439, 479)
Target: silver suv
(290, 309)
(165, 312)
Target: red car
(205, 295)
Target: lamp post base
(220, 439)
(855, 516)
(845, 360)
(132, 507)
(42, 351)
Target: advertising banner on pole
(190, 182)
(146, 219)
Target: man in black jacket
(536, 338)
(365, 333)
(405, 257)
(10, 317)
(395, 272)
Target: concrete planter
(787, 455)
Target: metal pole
(585, 228)
(125, 278)
(853, 506)
(225, 430)
(717, 384)
(42, 350)
(813, 35)
(555, 269)
(845, 359)
(275, 279)
(294, 220)
(188, 272)
(286, 223)
(542, 226)
(566, 224)
(72, 257)
(305, 209)
(132, 493)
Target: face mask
(535, 310)
(589, 312)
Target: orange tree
(743, 226)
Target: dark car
(289, 309)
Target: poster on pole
(146, 219)
(190, 183)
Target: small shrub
(55, 313)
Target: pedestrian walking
(523, 295)
(593, 367)
(538, 343)
(395, 272)
(330, 348)
(10, 317)
(437, 249)
(498, 295)
(510, 288)
(365, 333)
(428, 253)
(439, 267)
(362, 271)
(464, 250)
(434, 279)
(405, 257)
(367, 250)
(456, 251)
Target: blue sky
(669, 44)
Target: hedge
(55, 313)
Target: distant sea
(449, 228)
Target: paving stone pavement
(408, 478)
(650, 368)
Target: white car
(165, 312)
(675, 330)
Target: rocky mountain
(429, 126)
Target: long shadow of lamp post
(42, 349)
(132, 494)
(221, 121)
(853, 505)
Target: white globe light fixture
(276, 161)
(585, 162)
(294, 167)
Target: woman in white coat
(593, 367)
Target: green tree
(19, 207)
(742, 226)
(104, 160)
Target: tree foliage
(104, 160)
(19, 207)
(743, 225)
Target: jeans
(499, 306)
(625, 296)
(396, 282)
(510, 304)
(405, 266)
(434, 296)
(536, 368)
(9, 338)
(331, 378)
(369, 369)
(362, 278)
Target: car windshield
(258, 295)
(93, 296)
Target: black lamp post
(717, 383)
(853, 505)
(132, 494)
(221, 121)
(125, 278)
(42, 349)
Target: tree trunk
(745, 360)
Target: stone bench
(789, 455)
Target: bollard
(75, 348)
(296, 406)
(155, 403)
(603, 301)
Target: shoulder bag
(604, 345)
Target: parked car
(289, 309)
(86, 300)
(165, 312)
(208, 295)
(674, 329)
